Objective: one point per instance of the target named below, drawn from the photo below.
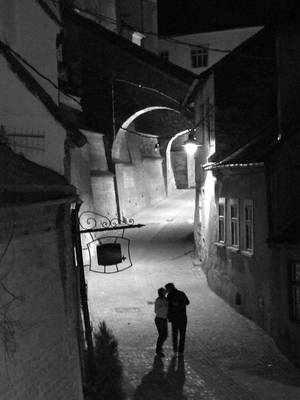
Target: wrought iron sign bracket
(113, 228)
(105, 254)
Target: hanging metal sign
(102, 253)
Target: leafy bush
(107, 371)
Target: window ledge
(247, 253)
(220, 244)
(233, 249)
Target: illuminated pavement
(227, 356)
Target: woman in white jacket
(161, 321)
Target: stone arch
(144, 175)
(119, 144)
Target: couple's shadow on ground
(163, 383)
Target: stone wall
(179, 165)
(139, 172)
(139, 185)
(90, 175)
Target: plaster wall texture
(131, 186)
(179, 165)
(23, 114)
(243, 280)
(222, 40)
(251, 275)
(91, 176)
(140, 185)
(205, 95)
(261, 280)
(139, 173)
(96, 150)
(232, 275)
(284, 184)
(284, 330)
(153, 174)
(288, 55)
(143, 17)
(106, 8)
(284, 178)
(40, 348)
(104, 195)
(32, 33)
(80, 176)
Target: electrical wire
(113, 21)
(140, 86)
(6, 47)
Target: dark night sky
(191, 16)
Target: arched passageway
(145, 165)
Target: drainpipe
(83, 288)
(269, 184)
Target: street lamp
(191, 145)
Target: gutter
(61, 200)
(212, 166)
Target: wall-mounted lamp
(191, 145)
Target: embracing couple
(170, 305)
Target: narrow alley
(226, 357)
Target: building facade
(246, 229)
(199, 51)
(130, 111)
(41, 333)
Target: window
(164, 55)
(234, 222)
(199, 57)
(222, 220)
(294, 274)
(248, 225)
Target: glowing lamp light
(191, 145)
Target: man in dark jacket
(177, 302)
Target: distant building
(137, 21)
(199, 51)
